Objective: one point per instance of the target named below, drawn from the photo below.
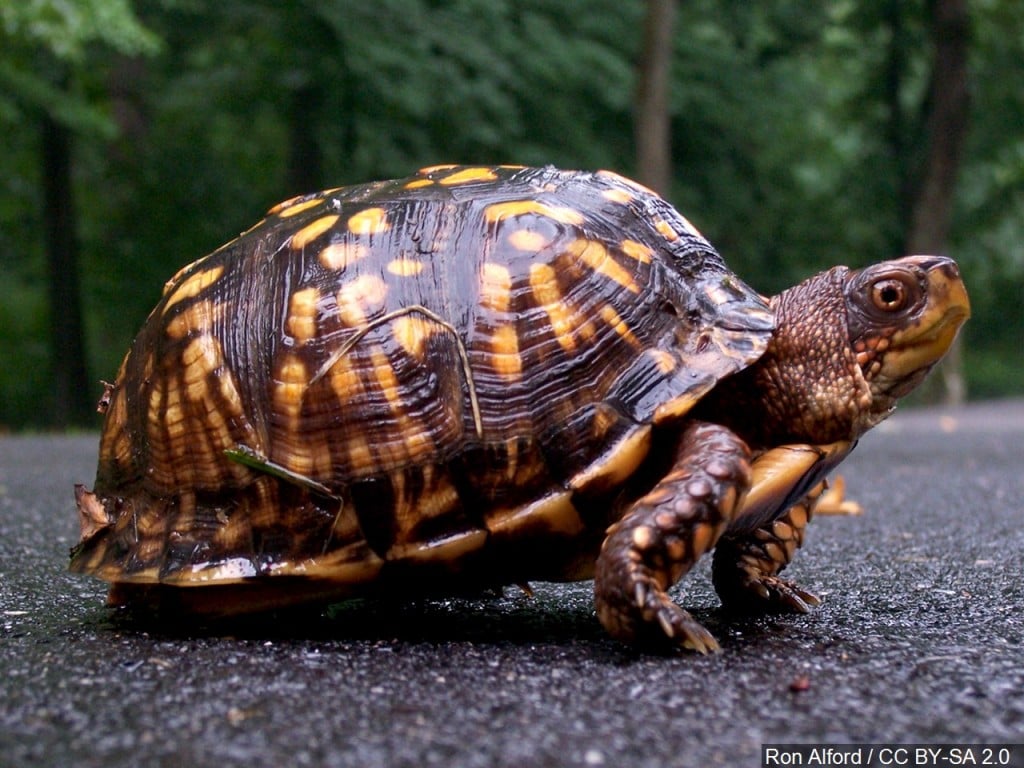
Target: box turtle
(475, 377)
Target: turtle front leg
(664, 533)
(745, 569)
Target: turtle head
(850, 343)
(847, 345)
(902, 317)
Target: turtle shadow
(560, 618)
(499, 618)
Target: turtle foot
(651, 618)
(663, 534)
(833, 501)
(769, 594)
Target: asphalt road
(919, 639)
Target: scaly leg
(664, 533)
(746, 567)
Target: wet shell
(458, 370)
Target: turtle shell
(459, 369)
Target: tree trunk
(305, 164)
(931, 208)
(70, 394)
(900, 148)
(651, 119)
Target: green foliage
(66, 28)
(43, 40)
(192, 118)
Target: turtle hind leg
(663, 534)
(834, 502)
(746, 568)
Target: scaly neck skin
(807, 388)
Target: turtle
(481, 376)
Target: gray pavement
(919, 639)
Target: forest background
(138, 136)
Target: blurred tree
(924, 99)
(652, 118)
(798, 135)
(945, 132)
(46, 51)
(987, 233)
(70, 394)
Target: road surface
(919, 639)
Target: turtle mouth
(916, 347)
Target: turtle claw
(684, 631)
(768, 594)
(652, 618)
(784, 596)
(745, 570)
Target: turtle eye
(891, 294)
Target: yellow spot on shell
(177, 275)
(283, 204)
(386, 377)
(674, 408)
(597, 257)
(627, 182)
(200, 316)
(665, 230)
(469, 175)
(360, 297)
(174, 416)
(229, 393)
(412, 332)
(498, 211)
(295, 208)
(419, 183)
(621, 196)
(359, 454)
(313, 230)
(340, 255)
(637, 251)
(156, 401)
(302, 313)
(618, 462)
(663, 361)
(344, 379)
(610, 316)
(436, 168)
(290, 387)
(527, 240)
(544, 283)
(405, 267)
(199, 359)
(495, 287)
(194, 285)
(505, 353)
(371, 221)
(555, 512)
